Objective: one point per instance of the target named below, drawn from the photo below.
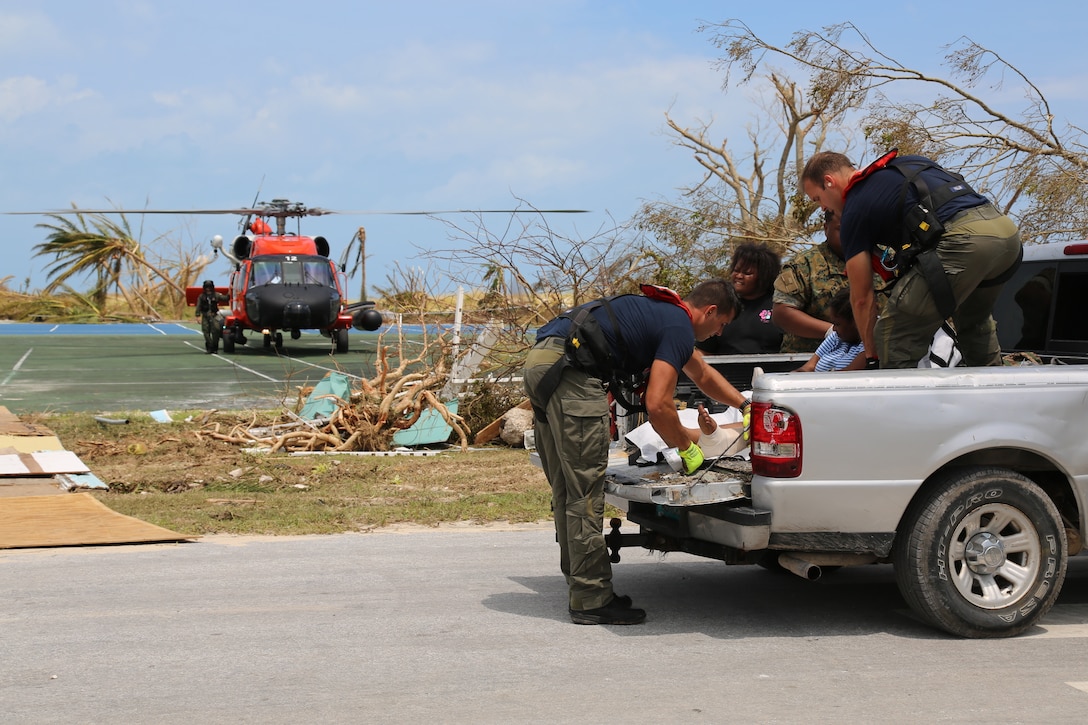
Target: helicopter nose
(297, 314)
(289, 306)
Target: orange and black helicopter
(283, 281)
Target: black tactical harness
(922, 230)
(586, 349)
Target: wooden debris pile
(392, 400)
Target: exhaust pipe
(800, 567)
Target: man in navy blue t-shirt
(572, 420)
(960, 277)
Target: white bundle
(719, 441)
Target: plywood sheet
(76, 519)
(10, 424)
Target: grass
(170, 475)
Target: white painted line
(16, 367)
(240, 367)
(322, 367)
(1082, 686)
(161, 332)
(23, 359)
(300, 361)
(54, 328)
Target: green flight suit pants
(573, 446)
(979, 244)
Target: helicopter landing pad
(144, 367)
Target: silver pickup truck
(971, 482)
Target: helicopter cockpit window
(266, 272)
(292, 271)
(317, 272)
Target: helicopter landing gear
(296, 334)
(341, 338)
(277, 339)
(231, 335)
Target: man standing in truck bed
(953, 251)
(570, 406)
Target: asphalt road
(470, 626)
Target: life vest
(657, 292)
(859, 176)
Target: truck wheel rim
(994, 556)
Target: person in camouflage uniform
(804, 290)
(207, 309)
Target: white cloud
(27, 96)
(30, 32)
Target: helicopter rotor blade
(133, 211)
(464, 211)
(314, 211)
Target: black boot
(617, 611)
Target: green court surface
(101, 372)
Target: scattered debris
(80, 481)
(515, 423)
(111, 421)
(338, 417)
(492, 430)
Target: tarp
(326, 397)
(429, 429)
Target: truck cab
(1042, 309)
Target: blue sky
(412, 105)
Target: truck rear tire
(984, 555)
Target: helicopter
(284, 281)
(287, 282)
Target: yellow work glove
(692, 456)
(746, 416)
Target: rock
(514, 424)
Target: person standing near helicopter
(207, 309)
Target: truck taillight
(776, 441)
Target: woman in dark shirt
(753, 270)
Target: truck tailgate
(726, 480)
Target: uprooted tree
(404, 385)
